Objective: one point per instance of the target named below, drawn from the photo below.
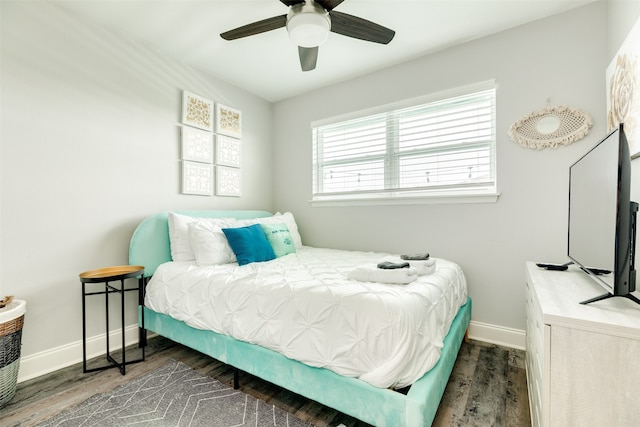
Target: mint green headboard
(150, 246)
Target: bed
(341, 376)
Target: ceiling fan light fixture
(308, 25)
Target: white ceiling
(267, 64)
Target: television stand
(581, 360)
(633, 207)
(608, 295)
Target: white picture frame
(228, 181)
(197, 145)
(197, 111)
(228, 121)
(227, 151)
(197, 178)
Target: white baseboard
(47, 361)
(34, 365)
(508, 337)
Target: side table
(108, 275)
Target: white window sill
(415, 200)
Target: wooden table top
(111, 273)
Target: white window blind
(435, 148)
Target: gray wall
(90, 147)
(563, 58)
(621, 16)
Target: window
(445, 147)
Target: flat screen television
(602, 218)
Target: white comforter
(303, 306)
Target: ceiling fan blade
(291, 2)
(308, 57)
(256, 28)
(329, 5)
(352, 26)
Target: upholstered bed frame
(381, 407)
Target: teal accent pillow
(280, 238)
(249, 244)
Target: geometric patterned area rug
(174, 395)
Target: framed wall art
(623, 90)
(197, 111)
(228, 121)
(227, 181)
(197, 178)
(197, 145)
(227, 151)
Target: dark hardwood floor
(487, 388)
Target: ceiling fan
(309, 22)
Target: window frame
(388, 195)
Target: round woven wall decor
(551, 127)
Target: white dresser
(583, 361)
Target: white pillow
(179, 237)
(285, 218)
(179, 234)
(209, 244)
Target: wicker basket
(11, 321)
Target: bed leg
(466, 336)
(236, 378)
